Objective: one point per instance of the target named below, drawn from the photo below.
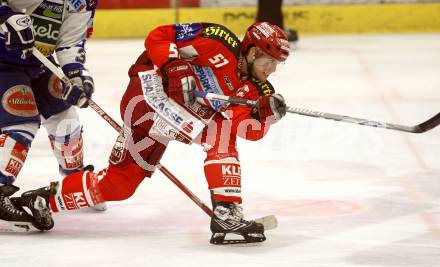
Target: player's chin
(262, 76)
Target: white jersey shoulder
(61, 26)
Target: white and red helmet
(270, 38)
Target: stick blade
(269, 222)
(428, 125)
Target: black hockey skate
(17, 217)
(37, 201)
(228, 219)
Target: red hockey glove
(179, 81)
(271, 108)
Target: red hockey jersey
(214, 51)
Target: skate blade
(269, 222)
(18, 227)
(220, 239)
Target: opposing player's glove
(19, 33)
(80, 89)
(179, 82)
(271, 108)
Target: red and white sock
(85, 189)
(15, 141)
(224, 178)
(76, 191)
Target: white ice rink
(345, 195)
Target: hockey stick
(419, 128)
(269, 222)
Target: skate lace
(237, 212)
(7, 205)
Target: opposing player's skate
(18, 218)
(228, 219)
(37, 201)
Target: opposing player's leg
(15, 142)
(65, 135)
(63, 126)
(62, 123)
(19, 124)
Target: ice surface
(345, 195)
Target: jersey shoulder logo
(223, 35)
(186, 32)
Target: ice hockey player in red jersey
(159, 105)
